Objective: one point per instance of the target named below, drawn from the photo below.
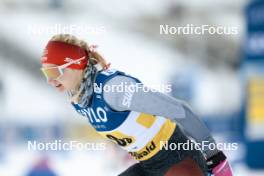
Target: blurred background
(221, 76)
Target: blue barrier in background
(253, 74)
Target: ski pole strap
(215, 160)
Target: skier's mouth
(59, 85)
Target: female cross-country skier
(144, 123)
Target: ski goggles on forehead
(56, 72)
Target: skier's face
(69, 80)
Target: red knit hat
(60, 53)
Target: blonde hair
(94, 56)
